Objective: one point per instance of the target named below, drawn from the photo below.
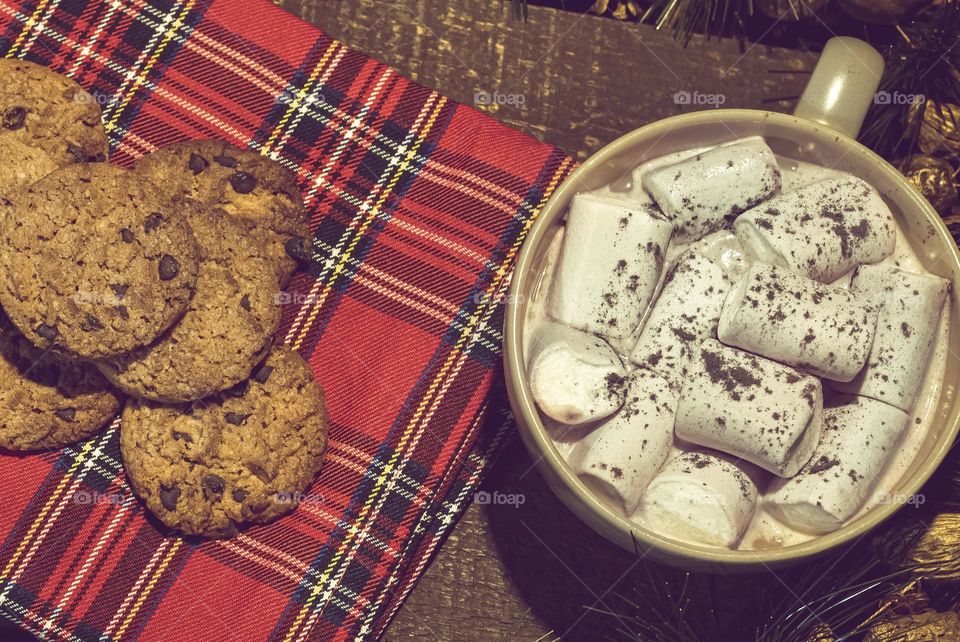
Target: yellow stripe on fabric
(410, 432)
(54, 498)
(28, 26)
(144, 71)
(301, 94)
(384, 195)
(388, 468)
(482, 313)
(151, 584)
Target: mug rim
(551, 463)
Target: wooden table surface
(535, 571)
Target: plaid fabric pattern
(418, 206)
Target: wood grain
(535, 571)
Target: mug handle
(843, 85)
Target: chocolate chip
(297, 250)
(182, 436)
(197, 163)
(14, 118)
(169, 496)
(91, 324)
(213, 483)
(235, 418)
(153, 222)
(123, 312)
(239, 494)
(47, 332)
(260, 472)
(119, 289)
(243, 183)
(245, 302)
(169, 267)
(126, 235)
(226, 161)
(263, 374)
(67, 414)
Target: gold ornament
(937, 554)
(821, 633)
(882, 11)
(790, 9)
(940, 129)
(923, 627)
(619, 9)
(935, 180)
(930, 552)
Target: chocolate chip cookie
(48, 400)
(46, 121)
(243, 184)
(245, 457)
(94, 262)
(225, 331)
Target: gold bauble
(923, 627)
(790, 9)
(940, 129)
(934, 178)
(937, 554)
(882, 11)
(932, 552)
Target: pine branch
(707, 17)
(924, 62)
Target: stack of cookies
(156, 290)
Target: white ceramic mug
(822, 131)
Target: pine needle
(924, 62)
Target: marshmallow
(821, 230)
(724, 249)
(683, 316)
(703, 194)
(574, 377)
(620, 457)
(910, 306)
(857, 441)
(823, 330)
(613, 252)
(700, 497)
(750, 407)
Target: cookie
(242, 183)
(225, 331)
(246, 457)
(48, 400)
(93, 262)
(47, 121)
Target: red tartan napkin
(419, 206)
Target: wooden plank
(531, 572)
(583, 80)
